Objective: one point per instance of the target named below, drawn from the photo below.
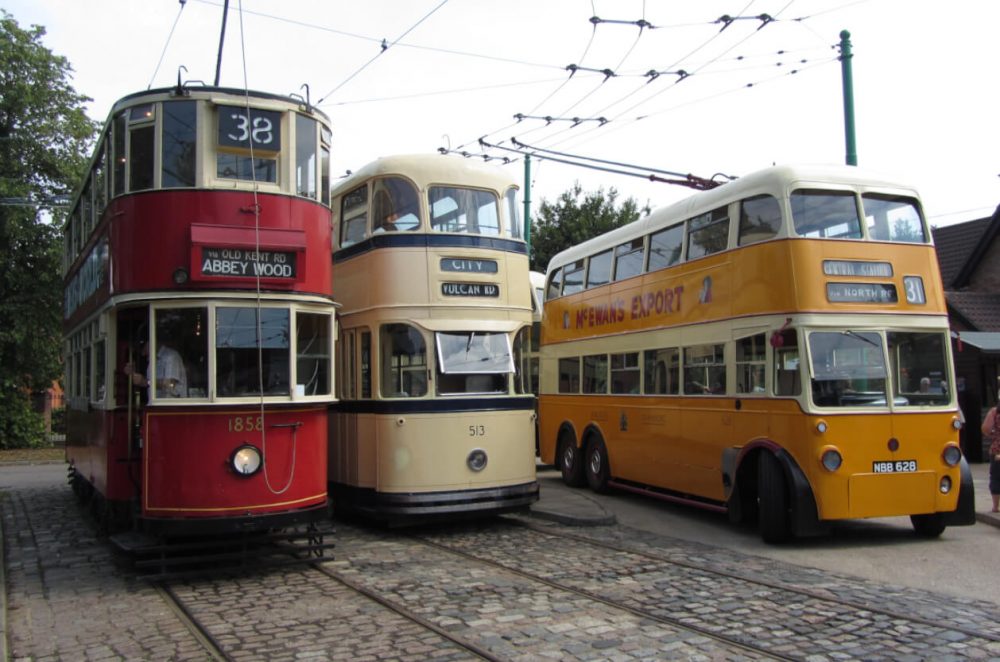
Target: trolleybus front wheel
(571, 462)
(597, 468)
(928, 526)
(772, 495)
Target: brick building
(969, 256)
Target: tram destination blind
(247, 263)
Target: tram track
(759, 615)
(212, 647)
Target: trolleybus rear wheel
(571, 463)
(597, 468)
(928, 526)
(773, 497)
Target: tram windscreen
(241, 368)
(473, 362)
(848, 369)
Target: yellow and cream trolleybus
(776, 348)
(432, 268)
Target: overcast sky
(765, 89)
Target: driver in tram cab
(171, 376)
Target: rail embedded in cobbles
(497, 590)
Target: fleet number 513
(477, 430)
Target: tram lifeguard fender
(804, 517)
(965, 513)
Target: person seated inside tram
(171, 376)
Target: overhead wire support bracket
(641, 23)
(573, 68)
(550, 119)
(728, 20)
(653, 74)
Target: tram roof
(209, 91)
(774, 178)
(432, 168)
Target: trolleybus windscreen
(848, 368)
(474, 352)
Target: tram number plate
(897, 467)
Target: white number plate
(897, 467)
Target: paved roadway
(66, 600)
(962, 563)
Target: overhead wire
(385, 46)
(166, 44)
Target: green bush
(59, 421)
(20, 427)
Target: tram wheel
(928, 526)
(571, 463)
(597, 468)
(772, 495)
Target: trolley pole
(222, 39)
(848, 83)
(527, 203)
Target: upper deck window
(599, 272)
(305, 156)
(179, 144)
(395, 206)
(142, 137)
(708, 233)
(628, 259)
(760, 219)
(826, 214)
(665, 247)
(573, 277)
(466, 211)
(248, 142)
(893, 218)
(354, 216)
(513, 227)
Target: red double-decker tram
(198, 314)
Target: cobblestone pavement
(628, 595)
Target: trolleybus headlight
(477, 460)
(952, 455)
(831, 459)
(821, 427)
(246, 460)
(945, 485)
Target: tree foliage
(571, 221)
(45, 136)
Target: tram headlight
(477, 460)
(246, 460)
(831, 459)
(952, 455)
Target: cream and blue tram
(430, 266)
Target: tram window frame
(760, 219)
(667, 381)
(395, 205)
(416, 366)
(787, 363)
(99, 177)
(705, 369)
(882, 228)
(179, 144)
(629, 258)
(595, 374)
(119, 155)
(751, 365)
(142, 147)
(266, 374)
(666, 248)
(820, 213)
(471, 210)
(325, 141)
(554, 287)
(599, 268)
(514, 228)
(522, 361)
(708, 233)
(576, 270)
(366, 364)
(625, 373)
(257, 164)
(569, 374)
(354, 216)
(306, 157)
(318, 325)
